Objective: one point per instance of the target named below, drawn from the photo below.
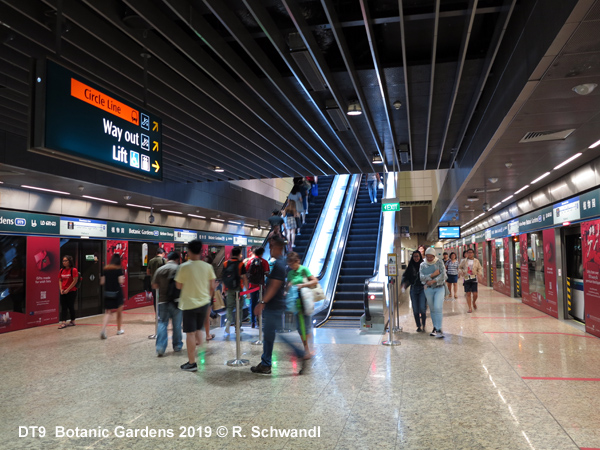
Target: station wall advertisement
(551, 305)
(524, 269)
(591, 275)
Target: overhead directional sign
(78, 121)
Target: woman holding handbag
(300, 277)
(433, 275)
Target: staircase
(315, 208)
(358, 262)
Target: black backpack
(79, 279)
(172, 292)
(231, 274)
(256, 273)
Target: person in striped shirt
(452, 271)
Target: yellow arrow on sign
(154, 126)
(155, 146)
(156, 166)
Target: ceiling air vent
(482, 191)
(538, 136)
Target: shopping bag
(218, 302)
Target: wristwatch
(262, 303)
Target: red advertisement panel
(228, 249)
(525, 295)
(590, 234)
(168, 247)
(42, 283)
(501, 282)
(492, 263)
(551, 303)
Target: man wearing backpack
(168, 296)
(256, 269)
(234, 279)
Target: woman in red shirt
(68, 291)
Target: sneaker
(227, 330)
(304, 367)
(120, 332)
(160, 354)
(439, 334)
(433, 333)
(260, 368)
(419, 330)
(103, 334)
(189, 367)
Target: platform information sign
(185, 235)
(76, 120)
(71, 226)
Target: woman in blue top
(452, 269)
(433, 276)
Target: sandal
(474, 306)
(210, 338)
(64, 325)
(70, 324)
(470, 311)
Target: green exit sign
(390, 207)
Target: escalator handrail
(343, 250)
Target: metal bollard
(391, 316)
(260, 331)
(238, 347)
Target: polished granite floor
(466, 391)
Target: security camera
(486, 207)
(151, 218)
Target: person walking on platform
(196, 280)
(300, 277)
(372, 182)
(234, 279)
(417, 292)
(153, 266)
(272, 308)
(68, 291)
(433, 275)
(470, 268)
(256, 269)
(452, 270)
(168, 298)
(113, 279)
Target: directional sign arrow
(154, 126)
(156, 166)
(154, 146)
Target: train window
(499, 243)
(535, 257)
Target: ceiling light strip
(522, 189)
(45, 190)
(575, 156)
(172, 212)
(595, 144)
(99, 199)
(507, 198)
(198, 217)
(138, 206)
(540, 177)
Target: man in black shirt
(276, 221)
(272, 308)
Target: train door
(87, 256)
(575, 303)
(516, 263)
(139, 255)
(216, 257)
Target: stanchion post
(238, 347)
(260, 332)
(155, 297)
(391, 316)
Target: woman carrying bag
(433, 275)
(300, 277)
(411, 279)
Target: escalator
(315, 208)
(358, 262)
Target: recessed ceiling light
(575, 156)
(585, 89)
(45, 190)
(218, 169)
(472, 199)
(138, 206)
(493, 180)
(198, 217)
(99, 199)
(377, 158)
(540, 177)
(522, 189)
(172, 212)
(595, 144)
(507, 198)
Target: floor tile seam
(534, 394)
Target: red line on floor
(589, 448)
(125, 312)
(561, 379)
(97, 324)
(510, 317)
(536, 332)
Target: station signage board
(28, 223)
(119, 230)
(590, 204)
(513, 227)
(543, 218)
(567, 211)
(81, 122)
(88, 228)
(449, 232)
